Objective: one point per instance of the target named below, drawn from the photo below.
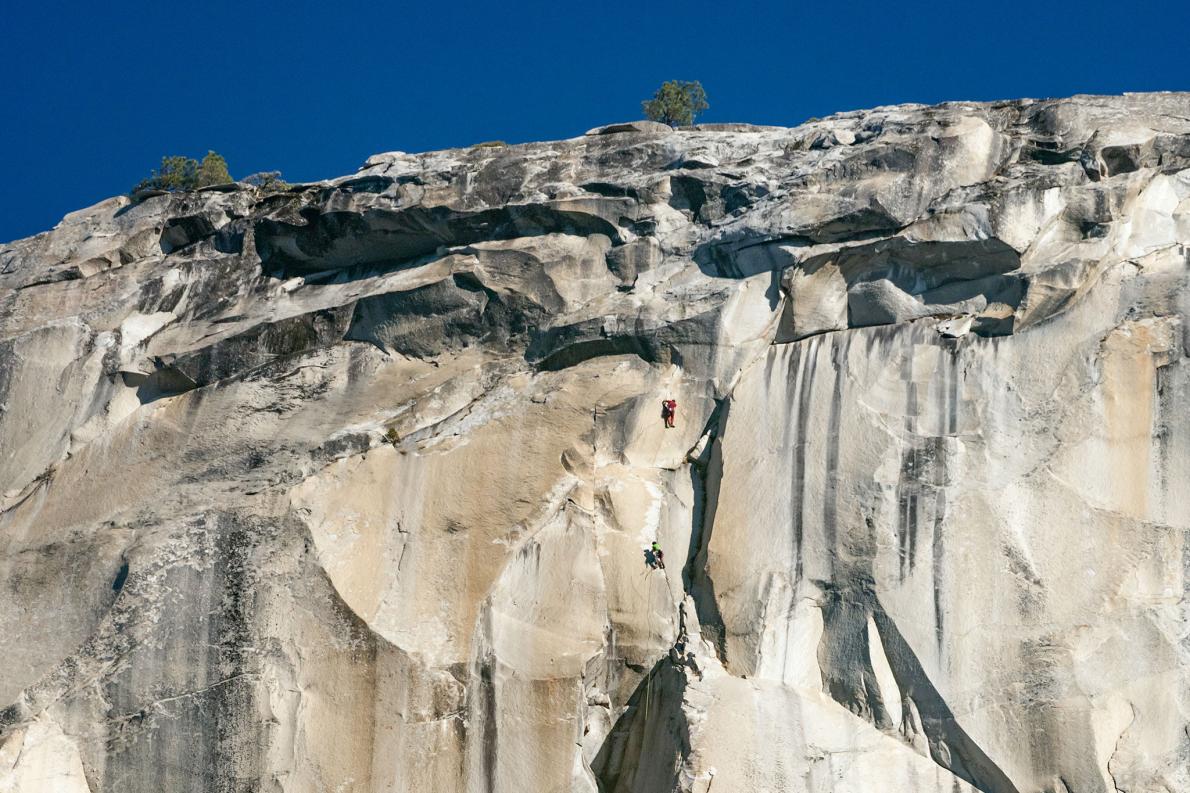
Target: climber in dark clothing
(690, 662)
(680, 656)
(669, 409)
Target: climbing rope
(649, 674)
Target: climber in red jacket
(669, 409)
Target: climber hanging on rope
(658, 557)
(669, 409)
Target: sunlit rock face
(352, 487)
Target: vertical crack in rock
(705, 476)
(938, 545)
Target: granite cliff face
(350, 487)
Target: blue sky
(94, 94)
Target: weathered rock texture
(349, 488)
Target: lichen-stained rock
(353, 486)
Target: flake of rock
(651, 127)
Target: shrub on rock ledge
(268, 181)
(178, 173)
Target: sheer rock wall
(351, 487)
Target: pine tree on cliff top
(676, 103)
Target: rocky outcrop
(352, 487)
